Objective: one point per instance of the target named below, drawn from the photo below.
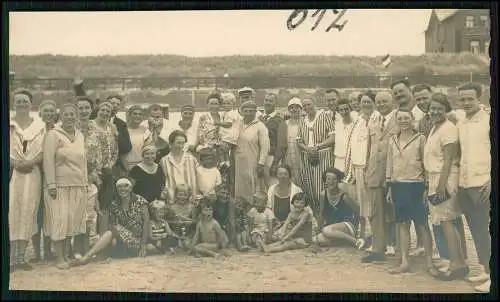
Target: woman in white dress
(25, 186)
(441, 165)
(293, 156)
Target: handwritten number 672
(293, 23)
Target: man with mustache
(402, 94)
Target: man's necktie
(382, 124)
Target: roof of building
(441, 14)
(444, 14)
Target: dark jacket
(277, 129)
(124, 143)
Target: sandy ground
(333, 270)
(336, 269)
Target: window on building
(485, 22)
(474, 47)
(487, 47)
(469, 21)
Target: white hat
(295, 101)
(245, 90)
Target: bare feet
(400, 270)
(63, 265)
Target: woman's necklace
(283, 191)
(150, 169)
(333, 196)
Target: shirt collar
(478, 116)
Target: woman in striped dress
(25, 186)
(179, 166)
(314, 139)
(65, 167)
(103, 148)
(293, 156)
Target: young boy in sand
(260, 220)
(297, 228)
(209, 238)
(160, 234)
(182, 206)
(221, 206)
(241, 226)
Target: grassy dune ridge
(446, 70)
(59, 66)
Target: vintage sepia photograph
(250, 151)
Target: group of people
(359, 172)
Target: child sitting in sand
(209, 238)
(221, 206)
(241, 227)
(260, 220)
(297, 228)
(183, 207)
(181, 214)
(160, 234)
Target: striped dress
(313, 132)
(182, 172)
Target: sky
(368, 32)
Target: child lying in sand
(209, 238)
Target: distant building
(458, 30)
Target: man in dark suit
(124, 143)
(278, 139)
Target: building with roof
(458, 30)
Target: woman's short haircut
(369, 93)
(442, 99)
(406, 111)
(115, 96)
(287, 168)
(215, 95)
(25, 92)
(174, 135)
(300, 196)
(332, 170)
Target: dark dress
(148, 185)
(281, 207)
(129, 225)
(340, 212)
